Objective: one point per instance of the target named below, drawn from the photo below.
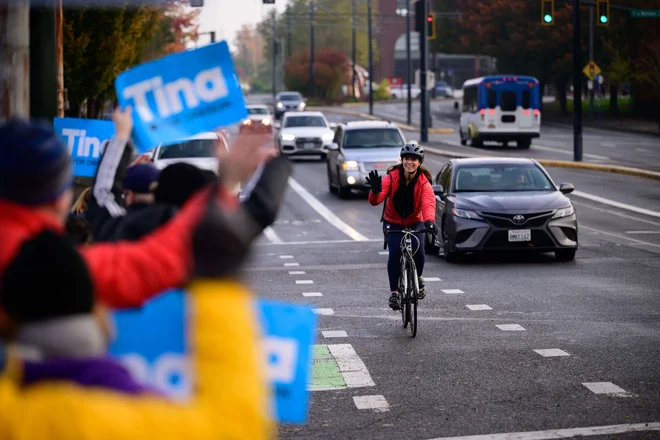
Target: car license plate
(520, 235)
(308, 145)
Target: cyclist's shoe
(422, 288)
(394, 301)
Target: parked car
(442, 89)
(502, 204)
(358, 148)
(305, 133)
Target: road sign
(591, 70)
(645, 13)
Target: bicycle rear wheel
(403, 283)
(412, 299)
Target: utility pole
(577, 84)
(311, 49)
(43, 61)
(283, 61)
(288, 32)
(371, 63)
(274, 40)
(423, 55)
(353, 48)
(15, 60)
(408, 64)
(591, 58)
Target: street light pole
(274, 41)
(408, 65)
(591, 58)
(311, 49)
(423, 54)
(371, 70)
(577, 84)
(354, 48)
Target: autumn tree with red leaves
(330, 72)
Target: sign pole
(577, 84)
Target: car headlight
(247, 122)
(280, 105)
(328, 136)
(266, 121)
(350, 165)
(464, 213)
(302, 105)
(564, 212)
(288, 137)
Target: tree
(249, 51)
(175, 28)
(331, 72)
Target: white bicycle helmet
(413, 149)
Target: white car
(305, 133)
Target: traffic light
(603, 12)
(430, 24)
(547, 12)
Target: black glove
(431, 227)
(374, 180)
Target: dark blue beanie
(35, 166)
(141, 178)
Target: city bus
(501, 108)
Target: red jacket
(125, 274)
(424, 200)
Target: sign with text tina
(181, 95)
(86, 140)
(151, 343)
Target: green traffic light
(547, 18)
(603, 18)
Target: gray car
(288, 101)
(358, 148)
(502, 204)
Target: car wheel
(524, 143)
(341, 190)
(450, 255)
(463, 140)
(331, 188)
(565, 255)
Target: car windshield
(290, 98)
(257, 111)
(188, 149)
(496, 178)
(373, 138)
(304, 121)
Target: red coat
(125, 274)
(424, 200)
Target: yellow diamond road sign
(591, 70)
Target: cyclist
(409, 203)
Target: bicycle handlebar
(410, 231)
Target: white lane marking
(286, 257)
(296, 272)
(634, 240)
(312, 294)
(304, 282)
(452, 291)
(606, 388)
(335, 334)
(324, 311)
(431, 279)
(642, 232)
(608, 145)
(510, 327)
(304, 243)
(618, 214)
(383, 253)
(325, 212)
(272, 236)
(478, 307)
(563, 433)
(377, 403)
(291, 264)
(643, 150)
(351, 366)
(570, 152)
(551, 352)
(603, 200)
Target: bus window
(492, 98)
(508, 101)
(526, 99)
(470, 104)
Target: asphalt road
(600, 146)
(463, 375)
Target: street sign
(591, 70)
(645, 13)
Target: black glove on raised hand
(431, 227)
(374, 180)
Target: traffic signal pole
(408, 66)
(423, 55)
(577, 84)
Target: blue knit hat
(141, 178)
(35, 166)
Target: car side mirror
(439, 191)
(566, 188)
(333, 146)
(333, 125)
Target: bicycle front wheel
(411, 302)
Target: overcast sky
(226, 17)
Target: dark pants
(394, 246)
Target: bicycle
(408, 281)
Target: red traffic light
(429, 18)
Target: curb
(401, 125)
(558, 123)
(618, 169)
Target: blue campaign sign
(289, 331)
(86, 140)
(151, 343)
(181, 95)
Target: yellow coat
(231, 396)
